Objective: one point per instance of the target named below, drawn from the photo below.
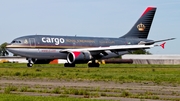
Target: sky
(97, 18)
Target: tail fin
(143, 25)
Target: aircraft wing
(141, 45)
(111, 48)
(152, 42)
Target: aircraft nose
(9, 47)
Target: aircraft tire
(93, 65)
(69, 65)
(29, 64)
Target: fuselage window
(16, 42)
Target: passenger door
(32, 42)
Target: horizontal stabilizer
(163, 44)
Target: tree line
(3, 51)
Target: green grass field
(16, 97)
(118, 73)
(108, 72)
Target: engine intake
(79, 57)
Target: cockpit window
(16, 41)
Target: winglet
(163, 44)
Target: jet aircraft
(77, 49)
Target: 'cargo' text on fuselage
(56, 41)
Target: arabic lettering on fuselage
(106, 42)
(56, 41)
(80, 41)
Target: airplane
(78, 49)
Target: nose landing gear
(29, 64)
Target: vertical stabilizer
(143, 25)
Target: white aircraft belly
(38, 53)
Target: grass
(109, 72)
(89, 92)
(119, 73)
(10, 88)
(16, 97)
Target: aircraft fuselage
(49, 47)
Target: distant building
(153, 59)
(133, 56)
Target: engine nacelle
(79, 57)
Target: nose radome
(8, 45)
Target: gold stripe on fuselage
(51, 47)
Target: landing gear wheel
(69, 65)
(29, 64)
(93, 65)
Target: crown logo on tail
(141, 27)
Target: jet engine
(79, 57)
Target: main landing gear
(94, 63)
(69, 65)
(91, 64)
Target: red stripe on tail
(147, 10)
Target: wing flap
(111, 48)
